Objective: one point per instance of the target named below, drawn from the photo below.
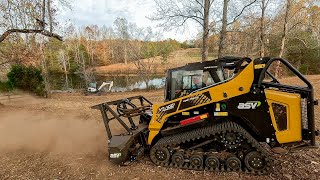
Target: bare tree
(285, 27)
(225, 23)
(92, 33)
(223, 31)
(64, 63)
(121, 27)
(44, 68)
(152, 52)
(40, 24)
(205, 36)
(285, 32)
(264, 4)
(175, 14)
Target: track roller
(177, 158)
(196, 160)
(212, 162)
(233, 163)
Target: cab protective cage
(306, 92)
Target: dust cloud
(49, 131)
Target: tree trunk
(223, 32)
(67, 81)
(64, 63)
(50, 16)
(283, 38)
(147, 83)
(43, 13)
(262, 36)
(127, 80)
(205, 37)
(45, 72)
(285, 29)
(125, 53)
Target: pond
(121, 83)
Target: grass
(176, 59)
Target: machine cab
(184, 80)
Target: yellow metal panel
(220, 113)
(293, 133)
(186, 113)
(259, 66)
(231, 88)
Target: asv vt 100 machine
(215, 116)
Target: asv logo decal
(115, 155)
(249, 105)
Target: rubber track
(207, 132)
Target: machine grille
(304, 115)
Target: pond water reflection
(121, 83)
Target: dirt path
(62, 138)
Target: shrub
(152, 87)
(27, 78)
(5, 87)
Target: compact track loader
(217, 115)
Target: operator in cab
(197, 82)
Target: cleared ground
(62, 138)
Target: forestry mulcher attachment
(218, 115)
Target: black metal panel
(256, 118)
(257, 121)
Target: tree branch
(244, 32)
(36, 31)
(294, 26)
(238, 15)
(305, 44)
(200, 4)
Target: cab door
(285, 112)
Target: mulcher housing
(219, 123)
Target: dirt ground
(62, 138)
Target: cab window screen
(280, 115)
(186, 82)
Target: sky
(104, 12)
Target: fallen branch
(36, 31)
